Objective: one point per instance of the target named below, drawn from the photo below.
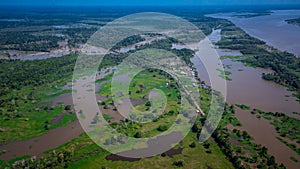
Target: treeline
(236, 39)
(166, 44)
(16, 74)
(128, 41)
(261, 159)
(24, 41)
(60, 159)
(285, 65)
(294, 21)
(78, 35)
(221, 136)
(205, 24)
(27, 40)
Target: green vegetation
(224, 74)
(285, 65)
(234, 58)
(128, 41)
(27, 85)
(294, 21)
(19, 158)
(84, 152)
(25, 88)
(252, 14)
(294, 159)
(243, 107)
(106, 117)
(238, 145)
(287, 127)
(139, 88)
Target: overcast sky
(144, 2)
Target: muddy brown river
(272, 29)
(247, 87)
(265, 134)
(37, 145)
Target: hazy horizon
(147, 3)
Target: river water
(265, 134)
(272, 29)
(38, 145)
(247, 87)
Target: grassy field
(140, 86)
(32, 116)
(227, 149)
(196, 157)
(28, 117)
(83, 152)
(26, 86)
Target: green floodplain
(28, 85)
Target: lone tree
(138, 134)
(162, 128)
(68, 107)
(178, 163)
(148, 104)
(197, 127)
(193, 145)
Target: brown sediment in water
(272, 29)
(156, 145)
(172, 152)
(57, 119)
(114, 157)
(38, 145)
(265, 134)
(247, 87)
(235, 142)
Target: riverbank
(246, 86)
(272, 29)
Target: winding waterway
(245, 87)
